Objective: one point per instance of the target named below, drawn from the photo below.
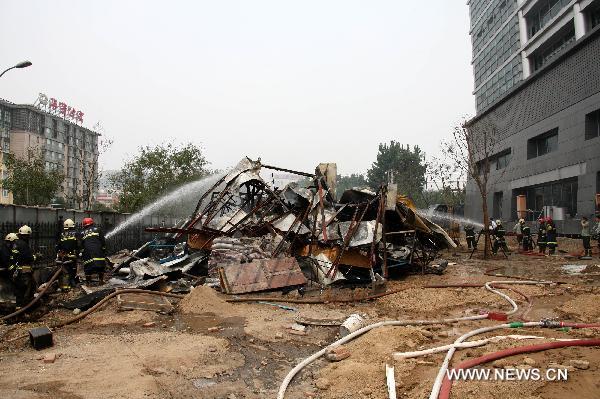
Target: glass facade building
(511, 39)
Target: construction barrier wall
(46, 225)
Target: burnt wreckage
(260, 237)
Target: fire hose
(351, 336)
(438, 381)
(544, 323)
(468, 344)
(37, 298)
(447, 383)
(101, 303)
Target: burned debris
(259, 237)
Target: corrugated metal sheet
(260, 275)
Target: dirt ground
(209, 348)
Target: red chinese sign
(64, 110)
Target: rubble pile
(240, 250)
(359, 237)
(247, 235)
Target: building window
(54, 128)
(542, 144)
(543, 56)
(595, 17)
(503, 160)
(498, 198)
(543, 13)
(560, 193)
(592, 125)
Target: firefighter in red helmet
(93, 254)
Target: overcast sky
(293, 82)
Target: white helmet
(498, 222)
(521, 220)
(25, 230)
(11, 237)
(69, 224)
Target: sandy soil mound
(206, 300)
(361, 374)
(440, 301)
(584, 307)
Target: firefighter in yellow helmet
(5, 247)
(67, 249)
(21, 267)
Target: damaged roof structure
(261, 237)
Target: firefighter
(470, 236)
(518, 229)
(93, 254)
(541, 241)
(5, 254)
(66, 253)
(21, 266)
(499, 238)
(551, 236)
(586, 237)
(527, 240)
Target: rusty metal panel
(200, 241)
(144, 302)
(350, 257)
(260, 275)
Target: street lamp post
(23, 64)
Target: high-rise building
(64, 143)
(537, 82)
(5, 120)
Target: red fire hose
(447, 383)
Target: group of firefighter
(547, 235)
(87, 246)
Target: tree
(399, 164)
(29, 180)
(156, 171)
(350, 181)
(445, 178)
(472, 149)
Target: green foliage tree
(156, 171)
(29, 180)
(446, 178)
(350, 181)
(401, 165)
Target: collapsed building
(258, 237)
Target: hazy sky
(293, 82)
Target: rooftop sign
(53, 106)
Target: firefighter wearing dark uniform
(551, 236)
(93, 253)
(470, 235)
(21, 266)
(499, 238)
(5, 255)
(527, 240)
(542, 241)
(67, 249)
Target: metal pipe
(288, 170)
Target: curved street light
(23, 64)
